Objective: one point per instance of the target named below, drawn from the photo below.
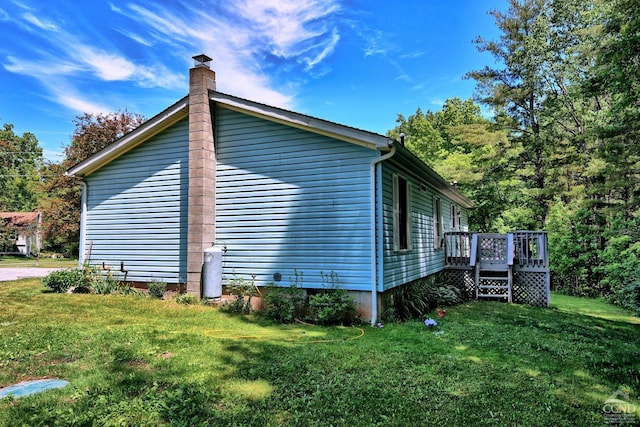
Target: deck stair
(493, 265)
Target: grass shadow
(134, 361)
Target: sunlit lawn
(136, 361)
(8, 261)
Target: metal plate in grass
(26, 388)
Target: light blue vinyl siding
(137, 209)
(290, 200)
(400, 267)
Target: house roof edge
(303, 121)
(435, 180)
(148, 129)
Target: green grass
(135, 361)
(43, 261)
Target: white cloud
(239, 37)
(76, 103)
(329, 47)
(42, 24)
(22, 5)
(105, 65)
(60, 92)
(287, 25)
(136, 38)
(164, 22)
(234, 77)
(438, 102)
(114, 8)
(41, 68)
(412, 55)
(159, 76)
(374, 41)
(402, 75)
(4, 16)
(289, 29)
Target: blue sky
(355, 62)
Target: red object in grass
(442, 313)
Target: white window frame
(400, 227)
(455, 217)
(438, 221)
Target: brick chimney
(202, 170)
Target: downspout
(83, 223)
(374, 221)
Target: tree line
(560, 150)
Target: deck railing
(530, 248)
(457, 247)
(525, 248)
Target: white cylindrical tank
(212, 273)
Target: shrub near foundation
(415, 299)
(283, 304)
(61, 281)
(157, 288)
(332, 305)
(186, 299)
(242, 291)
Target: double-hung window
(401, 213)
(438, 232)
(455, 217)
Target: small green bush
(331, 306)
(186, 299)
(61, 281)
(157, 288)
(243, 291)
(283, 304)
(105, 285)
(101, 281)
(126, 289)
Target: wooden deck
(512, 267)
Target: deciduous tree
(20, 157)
(94, 132)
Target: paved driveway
(15, 273)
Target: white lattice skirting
(529, 287)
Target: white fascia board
(148, 129)
(302, 121)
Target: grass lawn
(136, 361)
(16, 261)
